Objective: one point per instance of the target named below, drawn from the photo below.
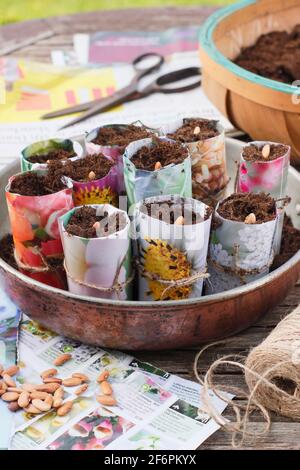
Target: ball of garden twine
(272, 373)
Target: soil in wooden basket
(82, 223)
(169, 212)
(239, 205)
(121, 135)
(253, 153)
(34, 184)
(57, 154)
(194, 130)
(275, 55)
(80, 170)
(161, 151)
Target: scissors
(131, 92)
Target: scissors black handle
(159, 85)
(141, 68)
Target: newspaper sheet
(155, 410)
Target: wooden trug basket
(261, 107)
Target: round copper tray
(149, 325)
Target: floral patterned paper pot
(34, 224)
(98, 266)
(35, 156)
(209, 172)
(171, 179)
(266, 174)
(171, 256)
(240, 251)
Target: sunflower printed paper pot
(242, 240)
(156, 167)
(37, 155)
(34, 210)
(205, 140)
(97, 248)
(172, 241)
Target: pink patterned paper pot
(97, 248)
(242, 240)
(205, 140)
(264, 168)
(112, 139)
(156, 167)
(172, 238)
(34, 210)
(37, 155)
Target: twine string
(35, 269)
(171, 283)
(115, 287)
(273, 358)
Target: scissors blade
(88, 105)
(118, 98)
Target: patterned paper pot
(113, 151)
(239, 252)
(34, 224)
(209, 172)
(44, 147)
(170, 251)
(141, 184)
(99, 191)
(94, 265)
(264, 176)
(268, 176)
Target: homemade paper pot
(45, 146)
(95, 266)
(209, 172)
(171, 252)
(34, 225)
(105, 190)
(141, 184)
(239, 252)
(269, 176)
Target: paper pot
(141, 184)
(269, 177)
(95, 265)
(45, 146)
(239, 253)
(105, 190)
(171, 252)
(34, 225)
(209, 172)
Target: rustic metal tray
(151, 325)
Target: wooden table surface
(285, 434)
